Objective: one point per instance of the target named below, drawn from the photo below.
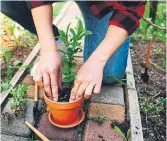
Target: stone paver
(28, 79)
(109, 95)
(31, 91)
(100, 132)
(17, 126)
(5, 137)
(112, 112)
(54, 133)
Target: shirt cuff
(125, 20)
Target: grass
(56, 9)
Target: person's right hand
(48, 73)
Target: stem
(154, 25)
(157, 66)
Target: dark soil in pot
(64, 94)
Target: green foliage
(157, 51)
(56, 9)
(146, 31)
(99, 119)
(128, 134)
(72, 40)
(10, 67)
(18, 96)
(146, 106)
(163, 102)
(21, 37)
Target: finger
(60, 79)
(88, 91)
(54, 87)
(74, 90)
(38, 79)
(34, 70)
(46, 81)
(81, 89)
(97, 89)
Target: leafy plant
(157, 51)
(10, 67)
(17, 103)
(99, 119)
(72, 40)
(18, 96)
(125, 137)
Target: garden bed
(152, 93)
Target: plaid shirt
(126, 13)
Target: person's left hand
(88, 79)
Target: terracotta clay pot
(64, 113)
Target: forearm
(43, 22)
(114, 38)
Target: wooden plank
(30, 58)
(133, 104)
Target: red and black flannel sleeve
(33, 4)
(127, 15)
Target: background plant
(10, 67)
(72, 39)
(126, 137)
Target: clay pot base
(78, 121)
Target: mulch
(153, 91)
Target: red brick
(98, 132)
(112, 112)
(28, 79)
(55, 133)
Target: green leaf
(61, 51)
(7, 54)
(73, 32)
(128, 134)
(5, 86)
(163, 102)
(85, 33)
(67, 31)
(17, 62)
(79, 26)
(118, 130)
(77, 50)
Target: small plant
(17, 102)
(72, 40)
(99, 119)
(10, 67)
(126, 137)
(158, 51)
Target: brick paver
(16, 126)
(54, 133)
(112, 112)
(109, 95)
(28, 79)
(100, 132)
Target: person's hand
(88, 79)
(47, 73)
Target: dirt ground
(152, 92)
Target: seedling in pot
(72, 39)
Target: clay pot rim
(62, 103)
